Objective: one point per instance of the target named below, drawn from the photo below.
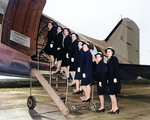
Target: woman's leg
(114, 102)
(80, 85)
(52, 60)
(101, 97)
(58, 65)
(77, 85)
(88, 87)
(73, 75)
(67, 71)
(85, 91)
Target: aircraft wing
(132, 71)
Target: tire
(31, 102)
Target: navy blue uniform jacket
(73, 54)
(67, 43)
(87, 69)
(78, 74)
(101, 72)
(58, 44)
(51, 40)
(113, 71)
(58, 41)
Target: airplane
(23, 33)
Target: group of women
(74, 56)
(106, 76)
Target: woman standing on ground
(86, 69)
(101, 71)
(113, 82)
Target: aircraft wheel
(31, 102)
(72, 109)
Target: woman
(73, 52)
(113, 82)
(86, 80)
(66, 45)
(78, 75)
(101, 71)
(50, 46)
(59, 47)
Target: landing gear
(31, 102)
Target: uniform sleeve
(80, 59)
(59, 42)
(116, 67)
(100, 74)
(74, 49)
(68, 44)
(53, 34)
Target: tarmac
(133, 102)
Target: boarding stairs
(73, 105)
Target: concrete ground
(133, 102)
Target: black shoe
(69, 79)
(81, 92)
(88, 100)
(78, 92)
(102, 110)
(110, 112)
(53, 68)
(34, 56)
(73, 85)
(116, 112)
(57, 73)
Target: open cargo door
(21, 23)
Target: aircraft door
(21, 24)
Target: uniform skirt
(59, 55)
(50, 49)
(65, 60)
(114, 87)
(73, 64)
(88, 80)
(103, 89)
(78, 75)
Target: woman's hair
(75, 35)
(49, 22)
(60, 27)
(67, 29)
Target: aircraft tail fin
(124, 38)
